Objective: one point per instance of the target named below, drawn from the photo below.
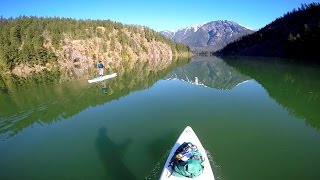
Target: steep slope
(212, 35)
(32, 44)
(296, 35)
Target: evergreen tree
(23, 39)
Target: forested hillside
(31, 44)
(295, 35)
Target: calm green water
(257, 119)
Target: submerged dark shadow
(158, 151)
(111, 157)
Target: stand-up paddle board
(101, 78)
(187, 135)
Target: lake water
(257, 118)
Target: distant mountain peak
(194, 27)
(213, 35)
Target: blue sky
(157, 14)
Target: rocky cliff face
(33, 44)
(115, 49)
(82, 55)
(212, 35)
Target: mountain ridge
(293, 35)
(212, 35)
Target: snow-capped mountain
(213, 35)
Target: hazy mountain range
(213, 35)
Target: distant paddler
(100, 67)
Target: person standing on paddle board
(100, 68)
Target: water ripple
(12, 123)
